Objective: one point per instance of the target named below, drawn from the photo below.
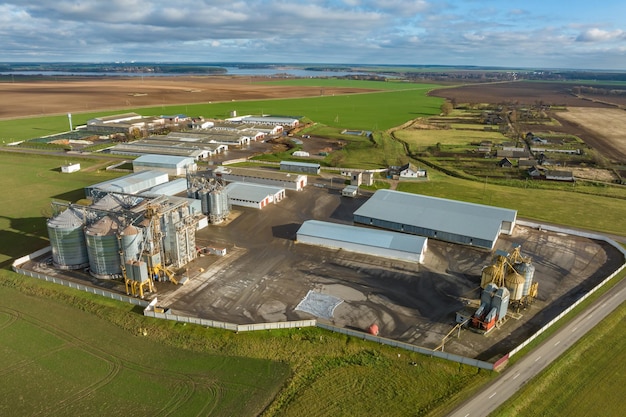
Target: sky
(525, 34)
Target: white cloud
(600, 35)
(474, 37)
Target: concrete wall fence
(149, 308)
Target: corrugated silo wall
(422, 231)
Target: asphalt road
(515, 377)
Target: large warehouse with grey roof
(438, 218)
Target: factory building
(304, 167)
(438, 218)
(363, 240)
(261, 176)
(172, 165)
(128, 184)
(253, 195)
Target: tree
(446, 108)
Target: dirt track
(59, 95)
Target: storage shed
(128, 184)
(305, 167)
(70, 168)
(170, 164)
(253, 195)
(448, 220)
(350, 191)
(363, 240)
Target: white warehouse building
(438, 218)
(253, 195)
(363, 240)
(173, 165)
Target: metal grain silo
(500, 302)
(514, 282)
(527, 270)
(203, 196)
(130, 240)
(103, 248)
(67, 239)
(488, 275)
(219, 208)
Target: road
(511, 380)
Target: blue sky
(529, 34)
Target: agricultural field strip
(608, 123)
(116, 364)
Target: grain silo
(103, 248)
(67, 239)
(527, 270)
(219, 209)
(514, 282)
(130, 242)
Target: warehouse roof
(258, 173)
(251, 192)
(132, 183)
(169, 188)
(164, 161)
(364, 236)
(451, 216)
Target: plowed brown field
(525, 92)
(58, 95)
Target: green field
(585, 381)
(55, 361)
(421, 138)
(364, 111)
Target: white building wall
(363, 249)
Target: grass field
(586, 381)
(55, 362)
(418, 139)
(368, 111)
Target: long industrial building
(438, 218)
(128, 184)
(363, 240)
(261, 176)
(170, 164)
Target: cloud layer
(468, 32)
